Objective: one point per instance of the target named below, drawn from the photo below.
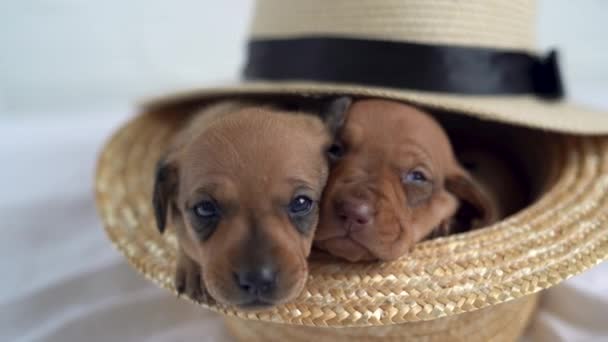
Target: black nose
(258, 281)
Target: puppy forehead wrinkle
(413, 154)
(197, 192)
(302, 183)
(382, 115)
(250, 150)
(216, 146)
(264, 141)
(217, 191)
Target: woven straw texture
(484, 23)
(527, 111)
(560, 235)
(502, 322)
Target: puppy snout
(259, 281)
(356, 214)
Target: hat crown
(496, 24)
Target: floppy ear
(165, 185)
(463, 186)
(333, 112)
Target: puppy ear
(333, 112)
(463, 186)
(165, 185)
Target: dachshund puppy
(498, 175)
(393, 181)
(241, 185)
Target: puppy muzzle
(256, 284)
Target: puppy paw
(188, 280)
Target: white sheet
(63, 281)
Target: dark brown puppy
(241, 185)
(393, 181)
(497, 176)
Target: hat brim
(525, 110)
(562, 234)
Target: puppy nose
(257, 281)
(358, 214)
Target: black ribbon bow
(436, 68)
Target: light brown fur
(371, 208)
(252, 161)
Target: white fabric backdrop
(71, 53)
(63, 281)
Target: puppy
(393, 181)
(241, 185)
(498, 175)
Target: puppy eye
(206, 210)
(415, 176)
(418, 187)
(300, 206)
(205, 218)
(335, 151)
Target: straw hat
(474, 58)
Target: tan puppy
(241, 184)
(393, 181)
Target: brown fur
(252, 161)
(496, 175)
(383, 141)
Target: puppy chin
(262, 304)
(346, 248)
(228, 295)
(254, 303)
